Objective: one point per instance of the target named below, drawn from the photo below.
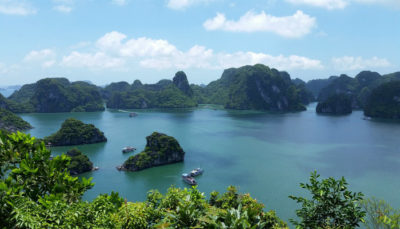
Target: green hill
(384, 101)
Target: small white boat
(128, 149)
(188, 179)
(196, 172)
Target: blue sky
(113, 40)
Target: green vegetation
(80, 163)
(57, 95)
(164, 94)
(384, 101)
(380, 214)
(160, 149)
(358, 89)
(337, 104)
(253, 87)
(315, 86)
(39, 192)
(11, 122)
(331, 206)
(75, 132)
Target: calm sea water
(267, 155)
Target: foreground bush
(36, 192)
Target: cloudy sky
(113, 40)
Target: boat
(132, 114)
(188, 179)
(196, 172)
(128, 149)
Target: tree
(28, 172)
(332, 205)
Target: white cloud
(183, 4)
(280, 62)
(95, 60)
(348, 63)
(114, 50)
(327, 4)
(45, 56)
(113, 42)
(119, 2)
(63, 8)
(16, 7)
(294, 26)
(341, 4)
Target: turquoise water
(267, 155)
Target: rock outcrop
(80, 163)
(160, 149)
(75, 132)
(384, 101)
(338, 104)
(181, 82)
(11, 122)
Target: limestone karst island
(214, 114)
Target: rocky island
(338, 104)
(160, 149)
(52, 95)
(164, 94)
(79, 163)
(11, 122)
(75, 132)
(384, 101)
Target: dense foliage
(164, 94)
(160, 149)
(384, 101)
(316, 85)
(358, 88)
(80, 163)
(58, 95)
(12, 122)
(75, 132)
(29, 177)
(337, 104)
(38, 192)
(253, 87)
(331, 206)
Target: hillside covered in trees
(58, 95)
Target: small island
(160, 149)
(11, 122)
(75, 132)
(337, 104)
(384, 102)
(79, 163)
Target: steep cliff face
(181, 82)
(337, 104)
(75, 132)
(160, 149)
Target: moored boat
(132, 114)
(188, 179)
(196, 172)
(128, 149)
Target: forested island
(256, 87)
(160, 149)
(12, 122)
(75, 132)
(79, 162)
